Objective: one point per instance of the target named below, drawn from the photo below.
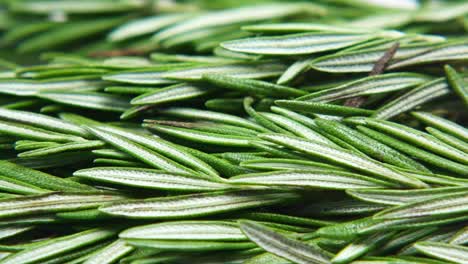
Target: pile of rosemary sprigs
(253, 132)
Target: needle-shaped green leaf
(369, 146)
(369, 85)
(147, 25)
(253, 87)
(266, 258)
(53, 202)
(17, 33)
(112, 63)
(418, 138)
(61, 72)
(222, 129)
(187, 230)
(187, 206)
(55, 247)
(164, 148)
(297, 128)
(92, 214)
(452, 253)
(382, 20)
(344, 157)
(442, 124)
(55, 160)
(438, 179)
(22, 87)
(38, 178)
(368, 225)
(33, 133)
(24, 145)
(6, 232)
(285, 219)
(14, 186)
(229, 54)
(236, 16)
(189, 245)
(111, 153)
(176, 72)
(111, 253)
(170, 94)
(152, 179)
(446, 205)
(275, 151)
(166, 57)
(297, 44)
(139, 152)
(442, 235)
(360, 247)
(282, 246)
(294, 70)
(294, 27)
(238, 157)
(415, 152)
(182, 94)
(286, 164)
(457, 84)
(303, 119)
(72, 146)
(320, 179)
(440, 13)
(322, 108)
(151, 76)
(239, 70)
(20, 104)
(260, 119)
(451, 51)
(28, 220)
(129, 90)
(448, 139)
(402, 260)
(85, 7)
(222, 166)
(364, 60)
(43, 121)
(204, 39)
(197, 114)
(343, 144)
(51, 108)
(400, 197)
(91, 100)
(404, 239)
(134, 111)
(460, 238)
(201, 137)
(68, 32)
(78, 255)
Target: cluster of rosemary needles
(212, 132)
